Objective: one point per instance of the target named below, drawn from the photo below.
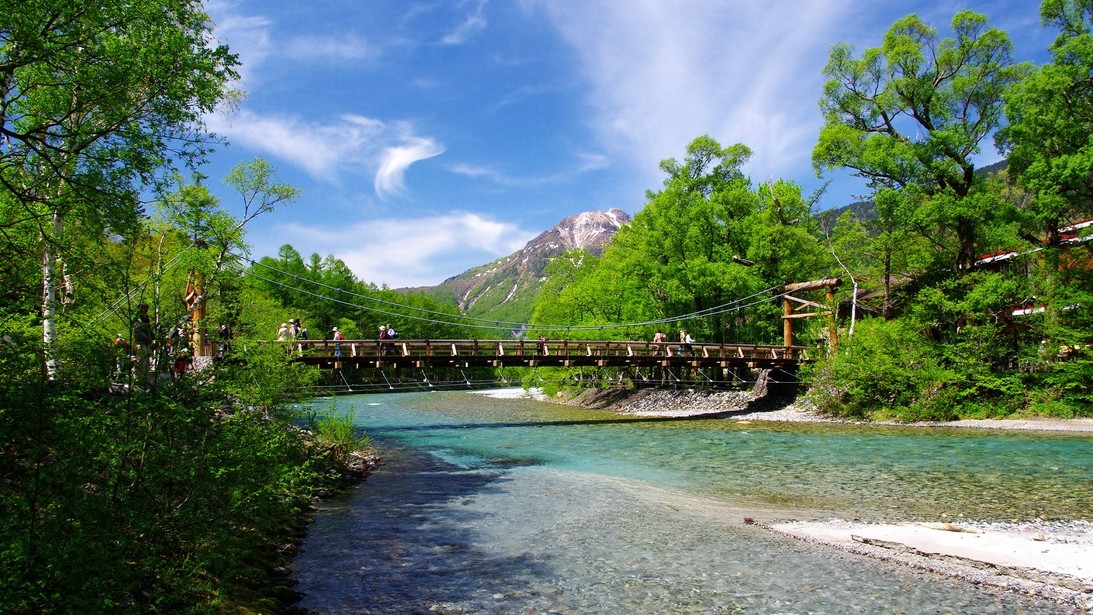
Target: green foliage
(981, 343)
(911, 114)
(260, 188)
(337, 429)
(99, 104)
(1050, 121)
(885, 370)
(706, 240)
(263, 374)
(324, 293)
(155, 500)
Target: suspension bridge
(421, 354)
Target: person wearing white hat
(282, 333)
(337, 338)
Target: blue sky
(430, 137)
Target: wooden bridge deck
(532, 353)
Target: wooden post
(195, 305)
(787, 322)
(832, 322)
(787, 316)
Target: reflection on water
(512, 506)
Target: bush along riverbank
(173, 499)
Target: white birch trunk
(49, 296)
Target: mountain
(506, 289)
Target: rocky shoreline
(1049, 560)
(744, 405)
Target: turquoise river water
(485, 505)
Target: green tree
(586, 292)
(260, 188)
(1047, 144)
(1047, 141)
(324, 293)
(686, 246)
(911, 115)
(702, 243)
(97, 100)
(1050, 115)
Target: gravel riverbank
(742, 405)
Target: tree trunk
(887, 309)
(50, 257)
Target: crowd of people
(293, 331)
(155, 351)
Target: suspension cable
(469, 321)
(712, 311)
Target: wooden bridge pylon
(789, 315)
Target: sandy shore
(1052, 560)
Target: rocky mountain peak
(590, 229)
(507, 287)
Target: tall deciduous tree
(911, 115)
(1050, 116)
(681, 245)
(96, 101)
(1051, 156)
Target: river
(485, 505)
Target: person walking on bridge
(381, 347)
(338, 337)
(685, 341)
(660, 340)
(390, 334)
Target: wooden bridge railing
(531, 353)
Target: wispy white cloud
(479, 172)
(473, 24)
(349, 144)
(247, 35)
(662, 74)
(348, 47)
(251, 37)
(395, 159)
(585, 162)
(411, 252)
(326, 149)
(590, 161)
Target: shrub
(888, 369)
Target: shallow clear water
(512, 506)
